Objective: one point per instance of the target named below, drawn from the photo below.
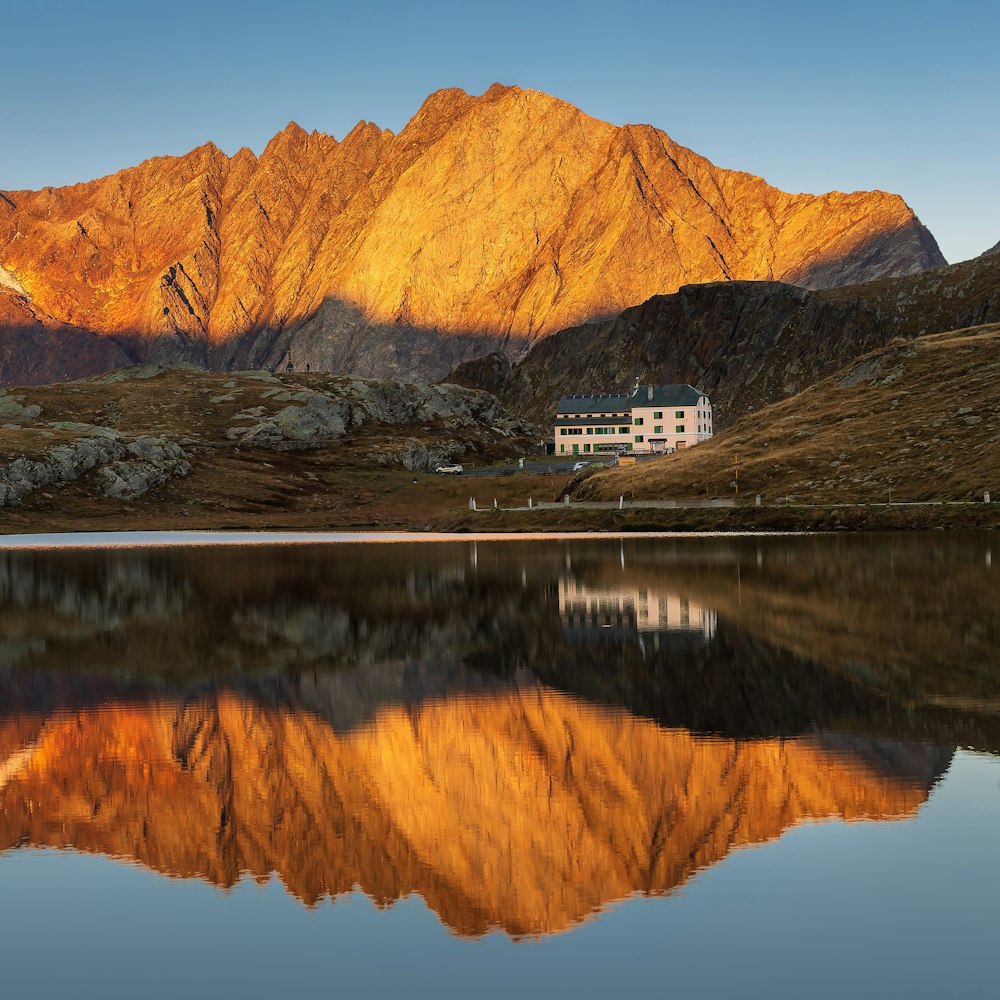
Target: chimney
(649, 393)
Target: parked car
(449, 470)
(579, 466)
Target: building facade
(651, 419)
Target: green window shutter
(658, 429)
(679, 414)
(638, 439)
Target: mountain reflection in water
(519, 733)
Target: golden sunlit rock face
(526, 809)
(506, 216)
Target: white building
(634, 609)
(652, 419)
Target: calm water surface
(706, 767)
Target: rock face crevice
(498, 219)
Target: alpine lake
(482, 767)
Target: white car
(449, 470)
(579, 466)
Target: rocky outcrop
(315, 418)
(993, 251)
(134, 429)
(148, 462)
(125, 470)
(745, 343)
(487, 222)
(12, 410)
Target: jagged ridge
(495, 220)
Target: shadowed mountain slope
(745, 343)
(498, 219)
(918, 421)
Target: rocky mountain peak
(488, 221)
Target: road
(559, 466)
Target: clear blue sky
(813, 97)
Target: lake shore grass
(784, 518)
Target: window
(679, 414)
(658, 428)
(638, 439)
(586, 447)
(679, 428)
(562, 448)
(623, 430)
(637, 421)
(657, 414)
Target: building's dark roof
(615, 402)
(622, 402)
(667, 395)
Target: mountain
(488, 221)
(992, 252)
(745, 343)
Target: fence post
(566, 499)
(986, 497)
(530, 505)
(621, 502)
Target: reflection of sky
(829, 910)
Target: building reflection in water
(630, 609)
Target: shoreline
(208, 539)
(728, 520)
(491, 525)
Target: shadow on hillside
(335, 338)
